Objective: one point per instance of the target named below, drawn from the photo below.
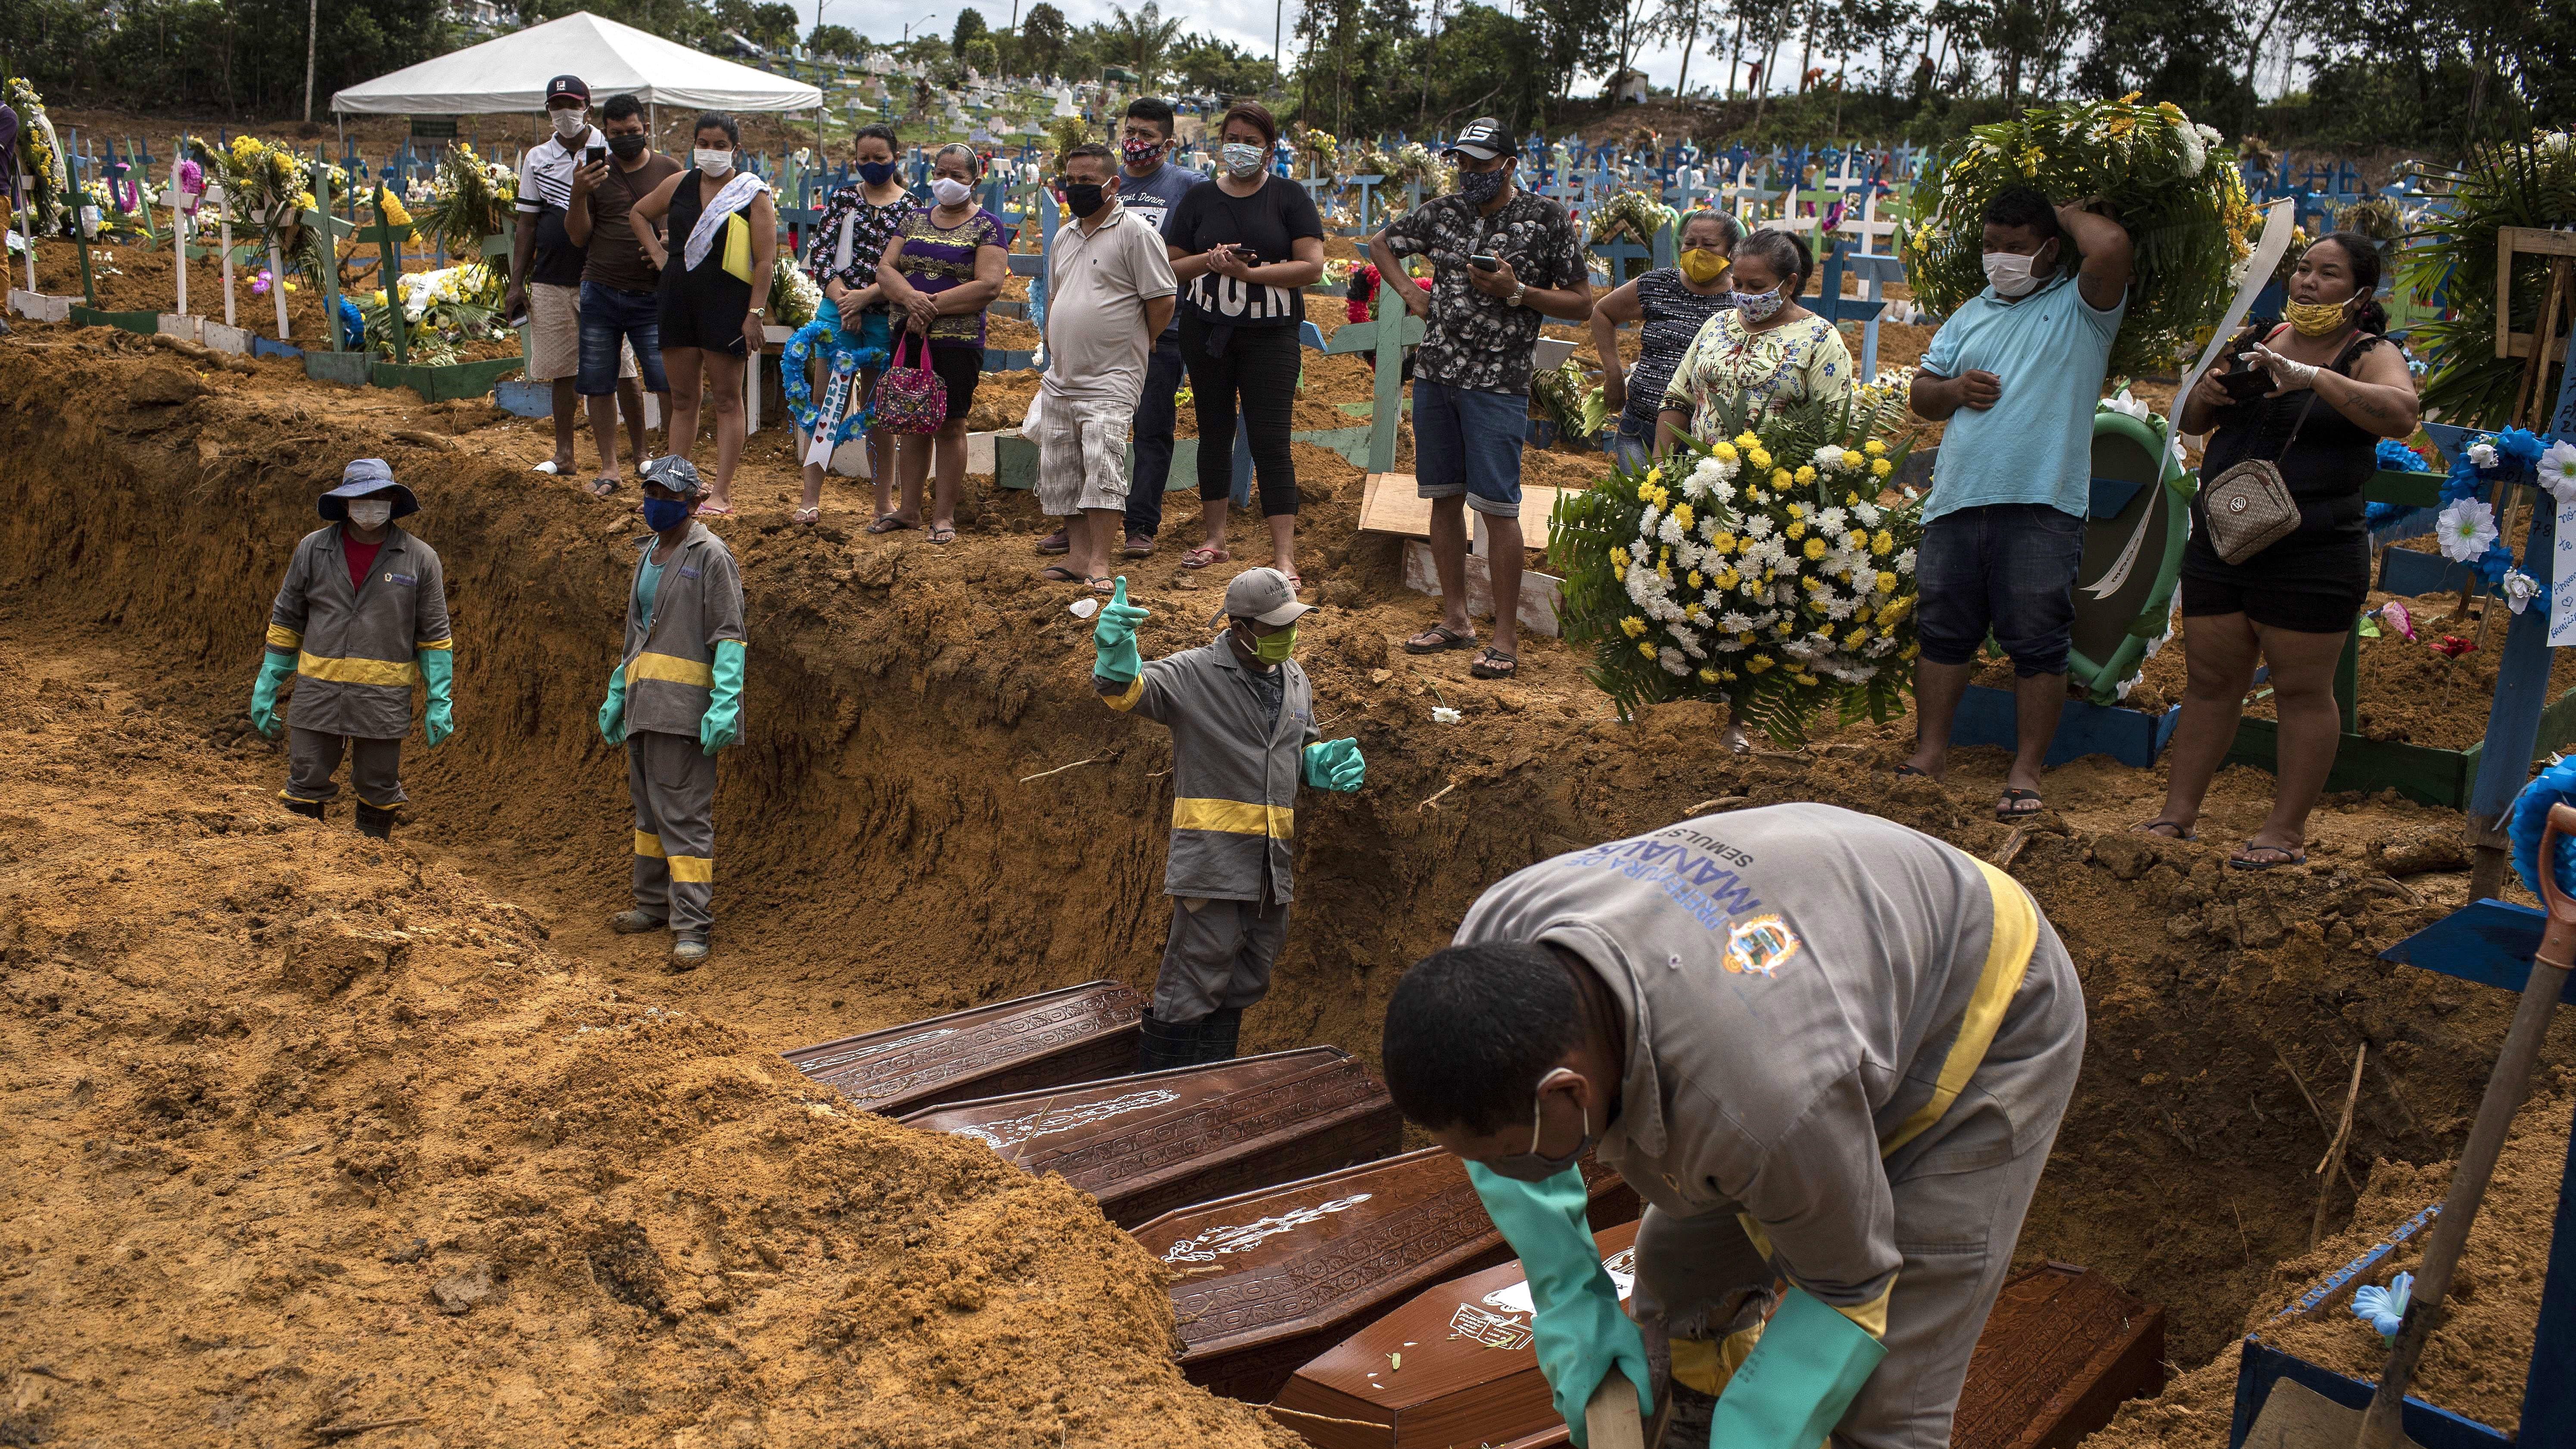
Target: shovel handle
(1610, 1417)
(2507, 1086)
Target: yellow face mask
(2315, 319)
(1704, 266)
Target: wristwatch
(1518, 292)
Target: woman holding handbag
(944, 265)
(724, 228)
(2279, 560)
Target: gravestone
(1076, 1034)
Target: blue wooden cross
(1836, 308)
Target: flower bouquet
(41, 152)
(793, 297)
(468, 199)
(2163, 178)
(270, 187)
(1771, 570)
(442, 310)
(1633, 215)
(1416, 162)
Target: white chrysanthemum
(2482, 454)
(1868, 515)
(1829, 458)
(2519, 589)
(1736, 621)
(1832, 520)
(1670, 530)
(1641, 585)
(1647, 520)
(2465, 529)
(1758, 526)
(1904, 561)
(1672, 660)
(2558, 471)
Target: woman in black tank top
(711, 320)
(2313, 396)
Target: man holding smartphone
(546, 266)
(621, 275)
(1504, 263)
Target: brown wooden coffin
(1269, 1279)
(2061, 1352)
(1078, 1034)
(1145, 1145)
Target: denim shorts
(1469, 441)
(2007, 569)
(1633, 444)
(610, 315)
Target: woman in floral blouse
(1767, 350)
(841, 256)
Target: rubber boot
(1165, 1044)
(309, 809)
(375, 822)
(1218, 1034)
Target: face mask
(2011, 274)
(371, 513)
(949, 191)
(1240, 160)
(714, 163)
(1704, 266)
(570, 123)
(664, 514)
(1084, 198)
(1275, 648)
(1480, 187)
(1760, 306)
(876, 173)
(627, 148)
(1141, 152)
(1533, 1165)
(2315, 319)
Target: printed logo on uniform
(406, 580)
(688, 571)
(1757, 947)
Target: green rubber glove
(273, 669)
(1335, 765)
(438, 671)
(1582, 1331)
(1115, 637)
(612, 715)
(1803, 1373)
(721, 725)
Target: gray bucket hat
(675, 473)
(365, 478)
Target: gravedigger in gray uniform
(1829, 1052)
(1242, 719)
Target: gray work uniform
(355, 652)
(1237, 759)
(1850, 1047)
(669, 667)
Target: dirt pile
(308, 1135)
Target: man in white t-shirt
(545, 270)
(1110, 291)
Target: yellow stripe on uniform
(2008, 948)
(358, 671)
(281, 637)
(693, 869)
(1127, 701)
(1871, 1316)
(448, 643)
(1234, 817)
(647, 843)
(671, 669)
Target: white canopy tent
(509, 73)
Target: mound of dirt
(307, 1134)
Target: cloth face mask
(949, 191)
(371, 513)
(571, 123)
(2315, 319)
(1240, 160)
(1141, 152)
(664, 514)
(1480, 187)
(627, 147)
(1760, 306)
(1704, 266)
(876, 173)
(714, 163)
(1275, 648)
(1083, 198)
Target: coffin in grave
(1145, 1145)
(2061, 1352)
(1076, 1034)
(1266, 1280)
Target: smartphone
(1485, 263)
(594, 155)
(1246, 255)
(2246, 382)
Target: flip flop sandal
(1102, 584)
(888, 523)
(1059, 574)
(714, 510)
(1495, 664)
(1909, 772)
(603, 487)
(2242, 860)
(2157, 828)
(943, 536)
(1444, 637)
(807, 515)
(2010, 807)
(1202, 556)
(1296, 585)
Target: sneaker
(630, 923)
(686, 954)
(1054, 543)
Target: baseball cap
(675, 473)
(1262, 595)
(567, 85)
(365, 478)
(1484, 138)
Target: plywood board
(1389, 504)
(1540, 593)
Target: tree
(1204, 65)
(773, 26)
(835, 40)
(970, 27)
(1044, 36)
(1143, 36)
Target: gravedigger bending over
(1826, 1050)
(675, 700)
(361, 617)
(1242, 719)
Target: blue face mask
(876, 173)
(664, 514)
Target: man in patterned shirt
(1503, 263)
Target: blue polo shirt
(2035, 445)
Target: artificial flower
(2465, 528)
(2519, 589)
(2558, 470)
(2384, 1309)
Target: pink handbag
(911, 399)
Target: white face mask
(2010, 273)
(949, 191)
(714, 163)
(570, 123)
(371, 513)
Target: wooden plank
(1388, 504)
(2488, 942)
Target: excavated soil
(888, 852)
